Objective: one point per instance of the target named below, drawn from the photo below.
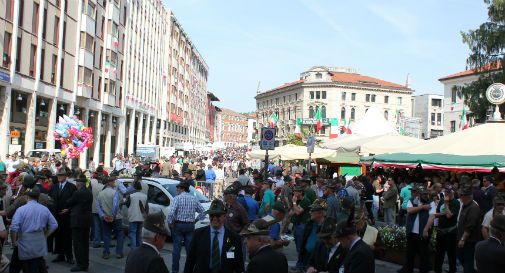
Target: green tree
(487, 46)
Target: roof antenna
(258, 90)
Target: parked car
(160, 195)
(39, 153)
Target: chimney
(407, 81)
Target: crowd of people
(333, 221)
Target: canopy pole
(265, 170)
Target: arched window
(353, 113)
(323, 112)
(342, 113)
(311, 112)
(386, 115)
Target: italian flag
(273, 120)
(347, 127)
(319, 119)
(464, 122)
(334, 128)
(298, 129)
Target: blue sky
(244, 42)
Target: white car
(160, 195)
(39, 153)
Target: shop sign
(15, 134)
(5, 77)
(313, 121)
(15, 141)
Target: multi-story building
(252, 131)
(124, 67)
(234, 128)
(212, 111)
(341, 93)
(67, 59)
(453, 98)
(430, 109)
(187, 92)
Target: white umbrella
(293, 152)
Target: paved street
(113, 265)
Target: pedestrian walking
(468, 226)
(489, 253)
(329, 254)
(498, 209)
(181, 219)
(215, 248)
(146, 258)
(30, 226)
(137, 209)
(107, 207)
(390, 197)
(268, 198)
(333, 205)
(309, 239)
(96, 188)
(236, 218)
(262, 258)
(80, 221)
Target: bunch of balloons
(73, 136)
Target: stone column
(83, 158)
(5, 116)
(31, 111)
(155, 128)
(139, 129)
(98, 131)
(131, 132)
(120, 134)
(162, 134)
(108, 137)
(147, 139)
(52, 107)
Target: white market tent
(373, 124)
(390, 144)
(292, 152)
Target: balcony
(88, 25)
(109, 99)
(85, 58)
(113, 13)
(84, 91)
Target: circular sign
(496, 93)
(268, 135)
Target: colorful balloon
(74, 137)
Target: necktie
(61, 187)
(216, 256)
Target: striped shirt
(183, 209)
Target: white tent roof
(373, 124)
(292, 152)
(389, 144)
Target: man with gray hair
(146, 258)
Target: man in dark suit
(60, 193)
(146, 258)
(359, 257)
(329, 254)
(262, 258)
(80, 222)
(489, 253)
(215, 248)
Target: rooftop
(486, 68)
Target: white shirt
(332, 251)
(488, 217)
(219, 174)
(415, 228)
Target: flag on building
(319, 120)
(298, 128)
(116, 42)
(347, 127)
(464, 122)
(334, 128)
(273, 120)
(107, 66)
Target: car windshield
(37, 154)
(173, 191)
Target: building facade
(430, 109)
(341, 93)
(124, 67)
(212, 111)
(234, 128)
(252, 131)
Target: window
(386, 99)
(87, 41)
(342, 113)
(353, 96)
(85, 76)
(319, 76)
(103, 26)
(56, 32)
(318, 95)
(6, 56)
(112, 87)
(62, 71)
(386, 115)
(353, 114)
(100, 61)
(89, 9)
(399, 100)
(99, 87)
(367, 98)
(44, 24)
(9, 10)
(311, 112)
(42, 64)
(21, 12)
(439, 119)
(343, 96)
(453, 126)
(311, 95)
(113, 29)
(433, 119)
(33, 60)
(18, 55)
(323, 95)
(296, 96)
(454, 94)
(276, 101)
(53, 71)
(436, 102)
(64, 34)
(35, 19)
(323, 112)
(373, 98)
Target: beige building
(341, 93)
(110, 62)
